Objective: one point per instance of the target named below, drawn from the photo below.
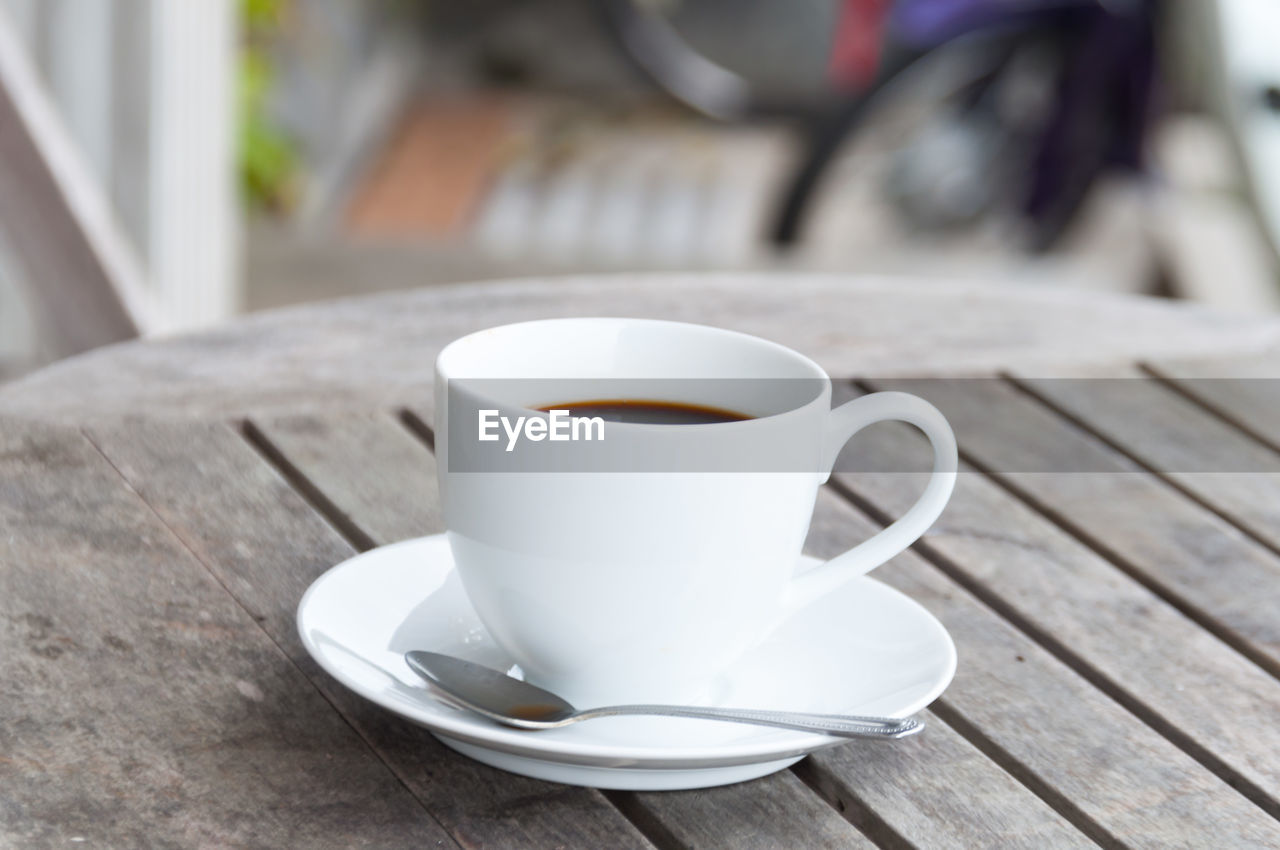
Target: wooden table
(163, 505)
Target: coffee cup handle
(846, 421)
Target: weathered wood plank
(1190, 556)
(936, 790)
(1191, 686)
(374, 353)
(139, 705)
(1113, 775)
(266, 545)
(359, 463)
(1187, 444)
(764, 814)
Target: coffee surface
(642, 412)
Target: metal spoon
(515, 703)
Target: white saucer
(865, 649)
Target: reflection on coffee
(644, 412)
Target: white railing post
(193, 226)
(23, 16)
(79, 74)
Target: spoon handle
(840, 725)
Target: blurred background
(167, 164)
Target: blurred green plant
(269, 161)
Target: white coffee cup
(611, 575)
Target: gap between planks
(418, 427)
(258, 623)
(304, 487)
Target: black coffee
(648, 412)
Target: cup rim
(451, 352)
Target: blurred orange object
(432, 176)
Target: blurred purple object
(1104, 83)
(1103, 110)
(1103, 104)
(928, 23)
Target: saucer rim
(770, 744)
